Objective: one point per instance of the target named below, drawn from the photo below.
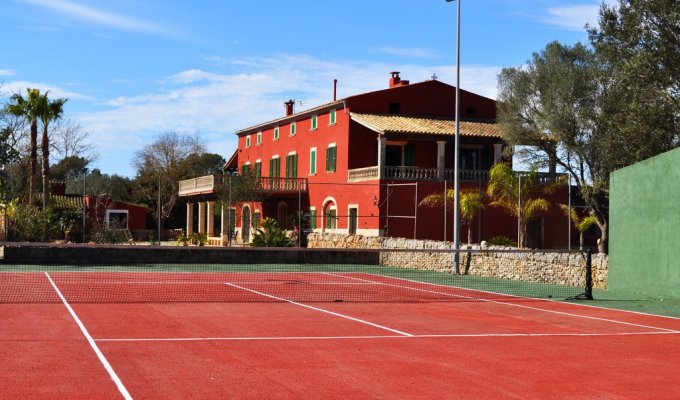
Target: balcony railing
(270, 184)
(429, 174)
(200, 185)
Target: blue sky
(133, 69)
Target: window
(331, 118)
(245, 168)
(259, 138)
(258, 168)
(331, 218)
(331, 157)
(312, 217)
(247, 141)
(315, 122)
(276, 133)
(275, 167)
(256, 219)
(312, 161)
(353, 220)
(117, 219)
(292, 129)
(291, 165)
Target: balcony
(201, 185)
(414, 174)
(209, 184)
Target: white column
(497, 153)
(190, 219)
(223, 230)
(211, 219)
(441, 146)
(201, 217)
(381, 157)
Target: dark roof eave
(275, 122)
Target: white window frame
(293, 129)
(350, 206)
(276, 133)
(247, 141)
(116, 211)
(259, 138)
(314, 123)
(316, 218)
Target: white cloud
(100, 17)
(217, 105)
(571, 17)
(9, 88)
(6, 72)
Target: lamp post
(456, 158)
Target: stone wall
(563, 268)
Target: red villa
(362, 164)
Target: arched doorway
(330, 215)
(245, 224)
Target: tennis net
(287, 275)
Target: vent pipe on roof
(290, 107)
(335, 89)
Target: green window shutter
(288, 161)
(312, 219)
(312, 162)
(271, 167)
(334, 157)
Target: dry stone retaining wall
(491, 261)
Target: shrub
(200, 239)
(501, 241)
(26, 222)
(270, 235)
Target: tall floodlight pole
(456, 157)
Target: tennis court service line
(320, 310)
(377, 337)
(119, 384)
(503, 302)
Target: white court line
(506, 303)
(320, 310)
(373, 337)
(100, 355)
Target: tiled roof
(385, 124)
(66, 202)
(292, 117)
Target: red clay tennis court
(315, 332)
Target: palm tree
(470, 204)
(49, 111)
(518, 193)
(582, 224)
(29, 108)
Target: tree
(205, 164)
(160, 166)
(29, 108)
(8, 154)
(70, 168)
(70, 139)
(582, 223)
(518, 193)
(50, 110)
(582, 114)
(470, 204)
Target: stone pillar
(381, 157)
(497, 153)
(190, 219)
(201, 217)
(441, 146)
(211, 218)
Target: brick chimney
(396, 81)
(290, 107)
